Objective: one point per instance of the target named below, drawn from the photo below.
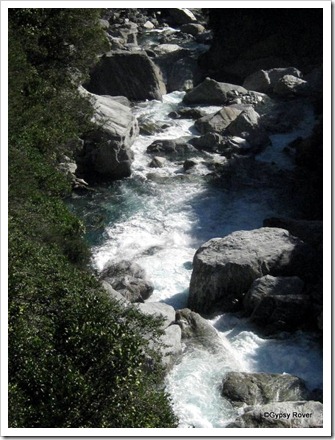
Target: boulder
(106, 151)
(157, 162)
(127, 31)
(192, 28)
(129, 279)
(148, 25)
(299, 414)
(189, 113)
(181, 16)
(290, 85)
(196, 329)
(225, 268)
(265, 80)
(130, 74)
(218, 122)
(215, 143)
(173, 148)
(211, 92)
(260, 388)
(161, 310)
(269, 285)
(258, 81)
(245, 124)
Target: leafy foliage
(76, 357)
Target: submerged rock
(262, 388)
(129, 279)
(224, 268)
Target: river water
(159, 222)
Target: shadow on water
(177, 301)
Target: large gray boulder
(129, 279)
(106, 151)
(299, 414)
(261, 388)
(211, 92)
(224, 268)
(130, 74)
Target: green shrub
(76, 358)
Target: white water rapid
(159, 224)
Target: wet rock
(218, 122)
(189, 163)
(300, 414)
(129, 279)
(157, 162)
(227, 146)
(189, 113)
(173, 148)
(211, 92)
(130, 74)
(196, 329)
(192, 28)
(290, 85)
(262, 388)
(225, 268)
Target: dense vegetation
(76, 358)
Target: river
(159, 221)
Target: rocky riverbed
(201, 203)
